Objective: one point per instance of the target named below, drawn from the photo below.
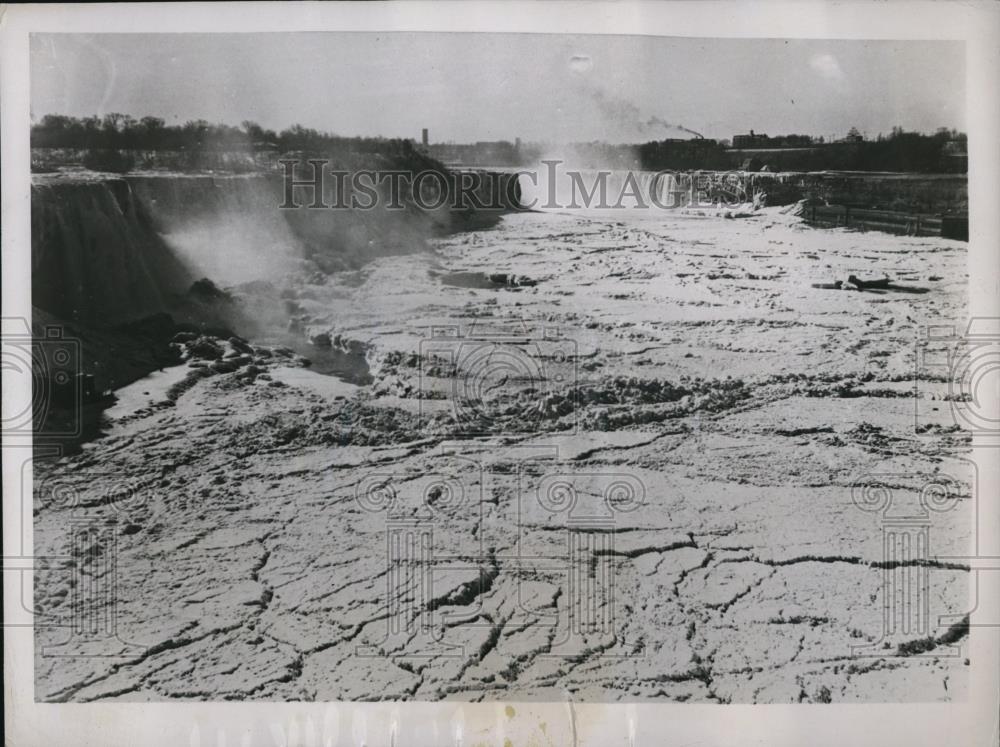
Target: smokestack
(423, 137)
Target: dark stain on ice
(483, 280)
(475, 280)
(348, 366)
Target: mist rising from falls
(228, 229)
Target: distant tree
(113, 121)
(206, 144)
(253, 130)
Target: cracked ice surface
(248, 568)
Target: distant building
(954, 157)
(753, 140)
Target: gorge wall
(112, 249)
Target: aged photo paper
(501, 374)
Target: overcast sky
(467, 87)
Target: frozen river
(604, 455)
